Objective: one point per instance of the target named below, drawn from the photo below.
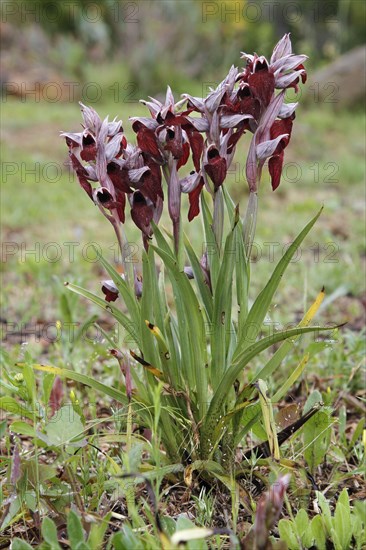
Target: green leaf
(213, 252)
(302, 522)
(342, 519)
(162, 242)
(317, 432)
(148, 300)
(242, 271)
(18, 544)
(199, 279)
(64, 427)
(30, 382)
(74, 529)
(357, 433)
(314, 398)
(65, 306)
(49, 533)
(191, 328)
(11, 515)
(287, 346)
(222, 306)
(22, 428)
(125, 539)
(326, 515)
(268, 420)
(218, 216)
(335, 539)
(248, 420)
(12, 406)
(3, 426)
(260, 307)
(358, 531)
(98, 531)
(308, 538)
(47, 384)
(318, 532)
(230, 205)
(344, 500)
(287, 534)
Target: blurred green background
(110, 54)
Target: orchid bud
(91, 118)
(110, 291)
(174, 193)
(282, 48)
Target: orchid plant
(208, 403)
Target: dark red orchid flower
(194, 200)
(280, 128)
(216, 167)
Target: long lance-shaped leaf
(163, 319)
(164, 351)
(149, 347)
(268, 419)
(161, 241)
(221, 319)
(260, 307)
(191, 321)
(190, 311)
(242, 266)
(127, 324)
(182, 339)
(286, 346)
(170, 332)
(230, 206)
(213, 252)
(202, 285)
(218, 217)
(217, 405)
(123, 288)
(83, 379)
(278, 357)
(242, 271)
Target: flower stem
(250, 222)
(218, 217)
(121, 239)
